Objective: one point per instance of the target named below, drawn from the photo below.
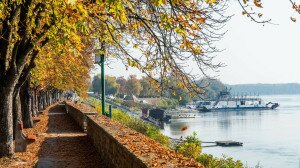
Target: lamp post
(99, 59)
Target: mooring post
(110, 113)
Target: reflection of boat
(226, 102)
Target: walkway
(60, 143)
(66, 145)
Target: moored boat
(226, 102)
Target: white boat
(182, 115)
(226, 102)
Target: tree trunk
(17, 111)
(6, 120)
(26, 105)
(40, 101)
(44, 100)
(34, 104)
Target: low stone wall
(80, 116)
(123, 147)
(120, 146)
(112, 152)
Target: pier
(225, 143)
(228, 143)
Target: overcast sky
(254, 53)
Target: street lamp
(99, 59)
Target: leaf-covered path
(66, 145)
(60, 143)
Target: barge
(226, 102)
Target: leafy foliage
(191, 147)
(150, 88)
(63, 69)
(210, 161)
(133, 85)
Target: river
(271, 137)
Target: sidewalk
(60, 143)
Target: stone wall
(80, 116)
(111, 150)
(120, 146)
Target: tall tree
(133, 85)
(25, 28)
(122, 82)
(111, 85)
(150, 88)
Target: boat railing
(237, 99)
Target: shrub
(191, 147)
(210, 161)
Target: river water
(271, 137)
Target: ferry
(226, 102)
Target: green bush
(191, 147)
(210, 161)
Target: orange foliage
(63, 68)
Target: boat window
(243, 102)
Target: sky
(253, 53)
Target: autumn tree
(150, 88)
(133, 85)
(166, 34)
(122, 83)
(111, 85)
(25, 28)
(175, 90)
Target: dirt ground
(60, 143)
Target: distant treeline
(265, 89)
